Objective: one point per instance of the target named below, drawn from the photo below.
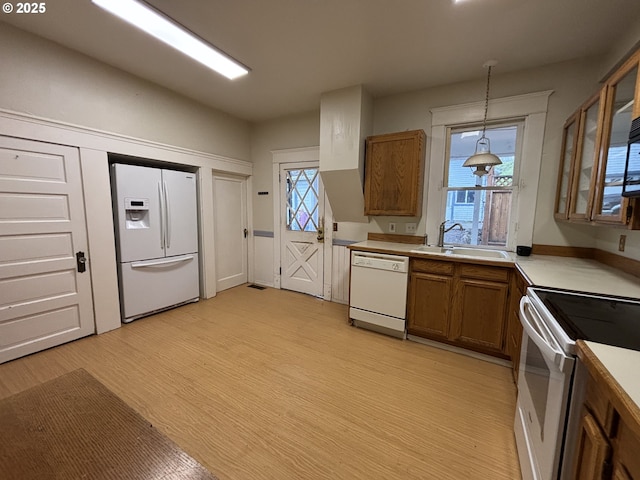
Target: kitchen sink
(431, 249)
(463, 252)
(480, 252)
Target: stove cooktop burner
(598, 318)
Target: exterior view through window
(482, 205)
(302, 200)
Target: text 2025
(31, 7)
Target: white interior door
(230, 224)
(44, 301)
(301, 228)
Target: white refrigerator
(155, 211)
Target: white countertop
(578, 274)
(622, 364)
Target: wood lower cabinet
(593, 451)
(608, 445)
(460, 304)
(430, 294)
(514, 329)
(627, 451)
(620, 473)
(480, 306)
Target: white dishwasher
(378, 292)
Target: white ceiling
(298, 49)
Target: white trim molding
(299, 155)
(94, 145)
(532, 109)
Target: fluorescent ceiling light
(166, 30)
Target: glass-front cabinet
(585, 169)
(569, 139)
(610, 206)
(594, 151)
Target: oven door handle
(538, 332)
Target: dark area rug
(73, 427)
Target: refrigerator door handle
(162, 262)
(167, 215)
(160, 195)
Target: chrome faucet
(443, 230)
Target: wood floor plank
(264, 384)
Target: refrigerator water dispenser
(136, 213)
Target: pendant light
(483, 157)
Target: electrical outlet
(392, 228)
(623, 240)
(410, 227)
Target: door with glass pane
(302, 228)
(610, 206)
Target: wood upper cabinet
(585, 165)
(394, 171)
(609, 205)
(460, 304)
(594, 151)
(567, 158)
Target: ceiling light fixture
(483, 157)
(168, 31)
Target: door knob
(246, 232)
(81, 262)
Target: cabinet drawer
(432, 266)
(482, 272)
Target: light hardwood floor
(275, 385)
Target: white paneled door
(44, 300)
(302, 228)
(230, 224)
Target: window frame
(532, 108)
(519, 123)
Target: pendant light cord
(486, 103)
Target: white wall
(289, 132)
(40, 79)
(44, 79)
(572, 83)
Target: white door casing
(44, 301)
(306, 155)
(230, 230)
(301, 228)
